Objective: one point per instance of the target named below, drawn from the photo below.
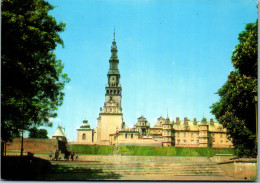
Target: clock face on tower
(112, 79)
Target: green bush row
(149, 150)
(171, 151)
(92, 149)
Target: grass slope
(149, 150)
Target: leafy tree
(32, 77)
(236, 108)
(39, 134)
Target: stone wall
(33, 145)
(221, 157)
(240, 168)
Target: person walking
(72, 155)
(50, 155)
(57, 154)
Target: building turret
(195, 121)
(85, 124)
(203, 133)
(185, 121)
(167, 133)
(211, 122)
(142, 126)
(177, 120)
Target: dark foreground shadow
(59, 172)
(31, 168)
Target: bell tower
(111, 117)
(113, 88)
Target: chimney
(185, 121)
(195, 121)
(211, 122)
(177, 120)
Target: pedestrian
(77, 157)
(57, 154)
(71, 155)
(67, 154)
(50, 155)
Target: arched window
(84, 136)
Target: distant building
(111, 129)
(85, 134)
(60, 134)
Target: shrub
(92, 149)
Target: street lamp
(117, 139)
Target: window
(185, 142)
(178, 141)
(221, 141)
(191, 134)
(132, 136)
(126, 136)
(221, 135)
(184, 134)
(192, 141)
(213, 141)
(178, 134)
(84, 136)
(197, 142)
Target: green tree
(32, 77)
(236, 108)
(38, 134)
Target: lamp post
(117, 139)
(22, 145)
(22, 128)
(256, 112)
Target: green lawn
(149, 150)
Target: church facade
(111, 129)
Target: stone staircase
(174, 169)
(111, 167)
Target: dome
(85, 124)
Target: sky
(174, 55)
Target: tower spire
(114, 34)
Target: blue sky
(174, 55)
